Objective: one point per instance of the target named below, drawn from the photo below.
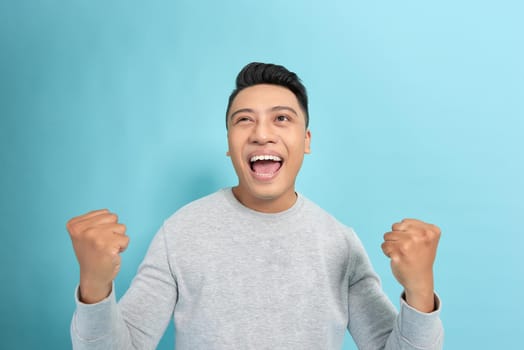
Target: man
(256, 266)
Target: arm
(412, 247)
(374, 322)
(417, 330)
(98, 239)
(140, 318)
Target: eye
(242, 120)
(282, 118)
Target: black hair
(266, 73)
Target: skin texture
(263, 119)
(98, 239)
(412, 246)
(267, 119)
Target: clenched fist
(98, 239)
(412, 246)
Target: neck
(266, 205)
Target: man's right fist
(98, 239)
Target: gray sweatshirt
(234, 278)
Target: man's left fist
(412, 246)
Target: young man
(256, 266)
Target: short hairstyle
(266, 73)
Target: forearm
(142, 314)
(374, 322)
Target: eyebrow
(272, 109)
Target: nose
(263, 133)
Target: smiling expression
(267, 140)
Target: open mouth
(265, 166)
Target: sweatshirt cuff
(422, 330)
(93, 321)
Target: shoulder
(326, 222)
(320, 215)
(205, 207)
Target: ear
(307, 142)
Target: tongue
(266, 167)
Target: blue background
(416, 111)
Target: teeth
(265, 157)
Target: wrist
(422, 300)
(91, 293)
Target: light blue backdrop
(416, 111)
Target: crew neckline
(230, 196)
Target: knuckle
(70, 226)
(91, 233)
(407, 221)
(99, 243)
(405, 247)
(74, 228)
(431, 235)
(109, 217)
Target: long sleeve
(236, 279)
(417, 330)
(139, 320)
(373, 320)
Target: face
(267, 140)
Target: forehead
(264, 96)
